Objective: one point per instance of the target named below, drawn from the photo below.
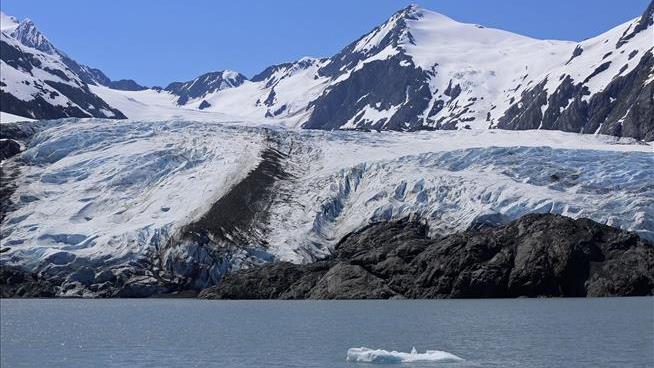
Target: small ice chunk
(379, 356)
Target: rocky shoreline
(540, 255)
(535, 256)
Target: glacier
(135, 208)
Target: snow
(369, 114)
(7, 23)
(451, 178)
(230, 75)
(6, 117)
(152, 105)
(116, 189)
(486, 61)
(372, 40)
(111, 191)
(28, 85)
(378, 356)
(490, 65)
(592, 57)
(29, 35)
(294, 87)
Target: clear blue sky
(156, 42)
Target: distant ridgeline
(419, 70)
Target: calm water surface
(195, 333)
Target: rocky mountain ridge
(419, 70)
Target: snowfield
(106, 195)
(6, 117)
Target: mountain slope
(440, 74)
(605, 87)
(419, 70)
(38, 85)
(26, 33)
(40, 81)
(422, 70)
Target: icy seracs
(150, 203)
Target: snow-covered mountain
(419, 70)
(205, 84)
(40, 81)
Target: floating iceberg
(366, 355)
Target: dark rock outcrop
(646, 20)
(8, 148)
(537, 255)
(204, 84)
(16, 283)
(126, 85)
(11, 137)
(624, 108)
(348, 100)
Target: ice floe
(379, 356)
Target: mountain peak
(390, 33)
(29, 35)
(411, 10)
(28, 22)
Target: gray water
(195, 333)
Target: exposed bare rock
(537, 255)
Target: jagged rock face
(645, 21)
(623, 108)
(423, 71)
(538, 255)
(27, 34)
(96, 77)
(389, 35)
(272, 74)
(205, 84)
(352, 100)
(16, 283)
(42, 82)
(372, 92)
